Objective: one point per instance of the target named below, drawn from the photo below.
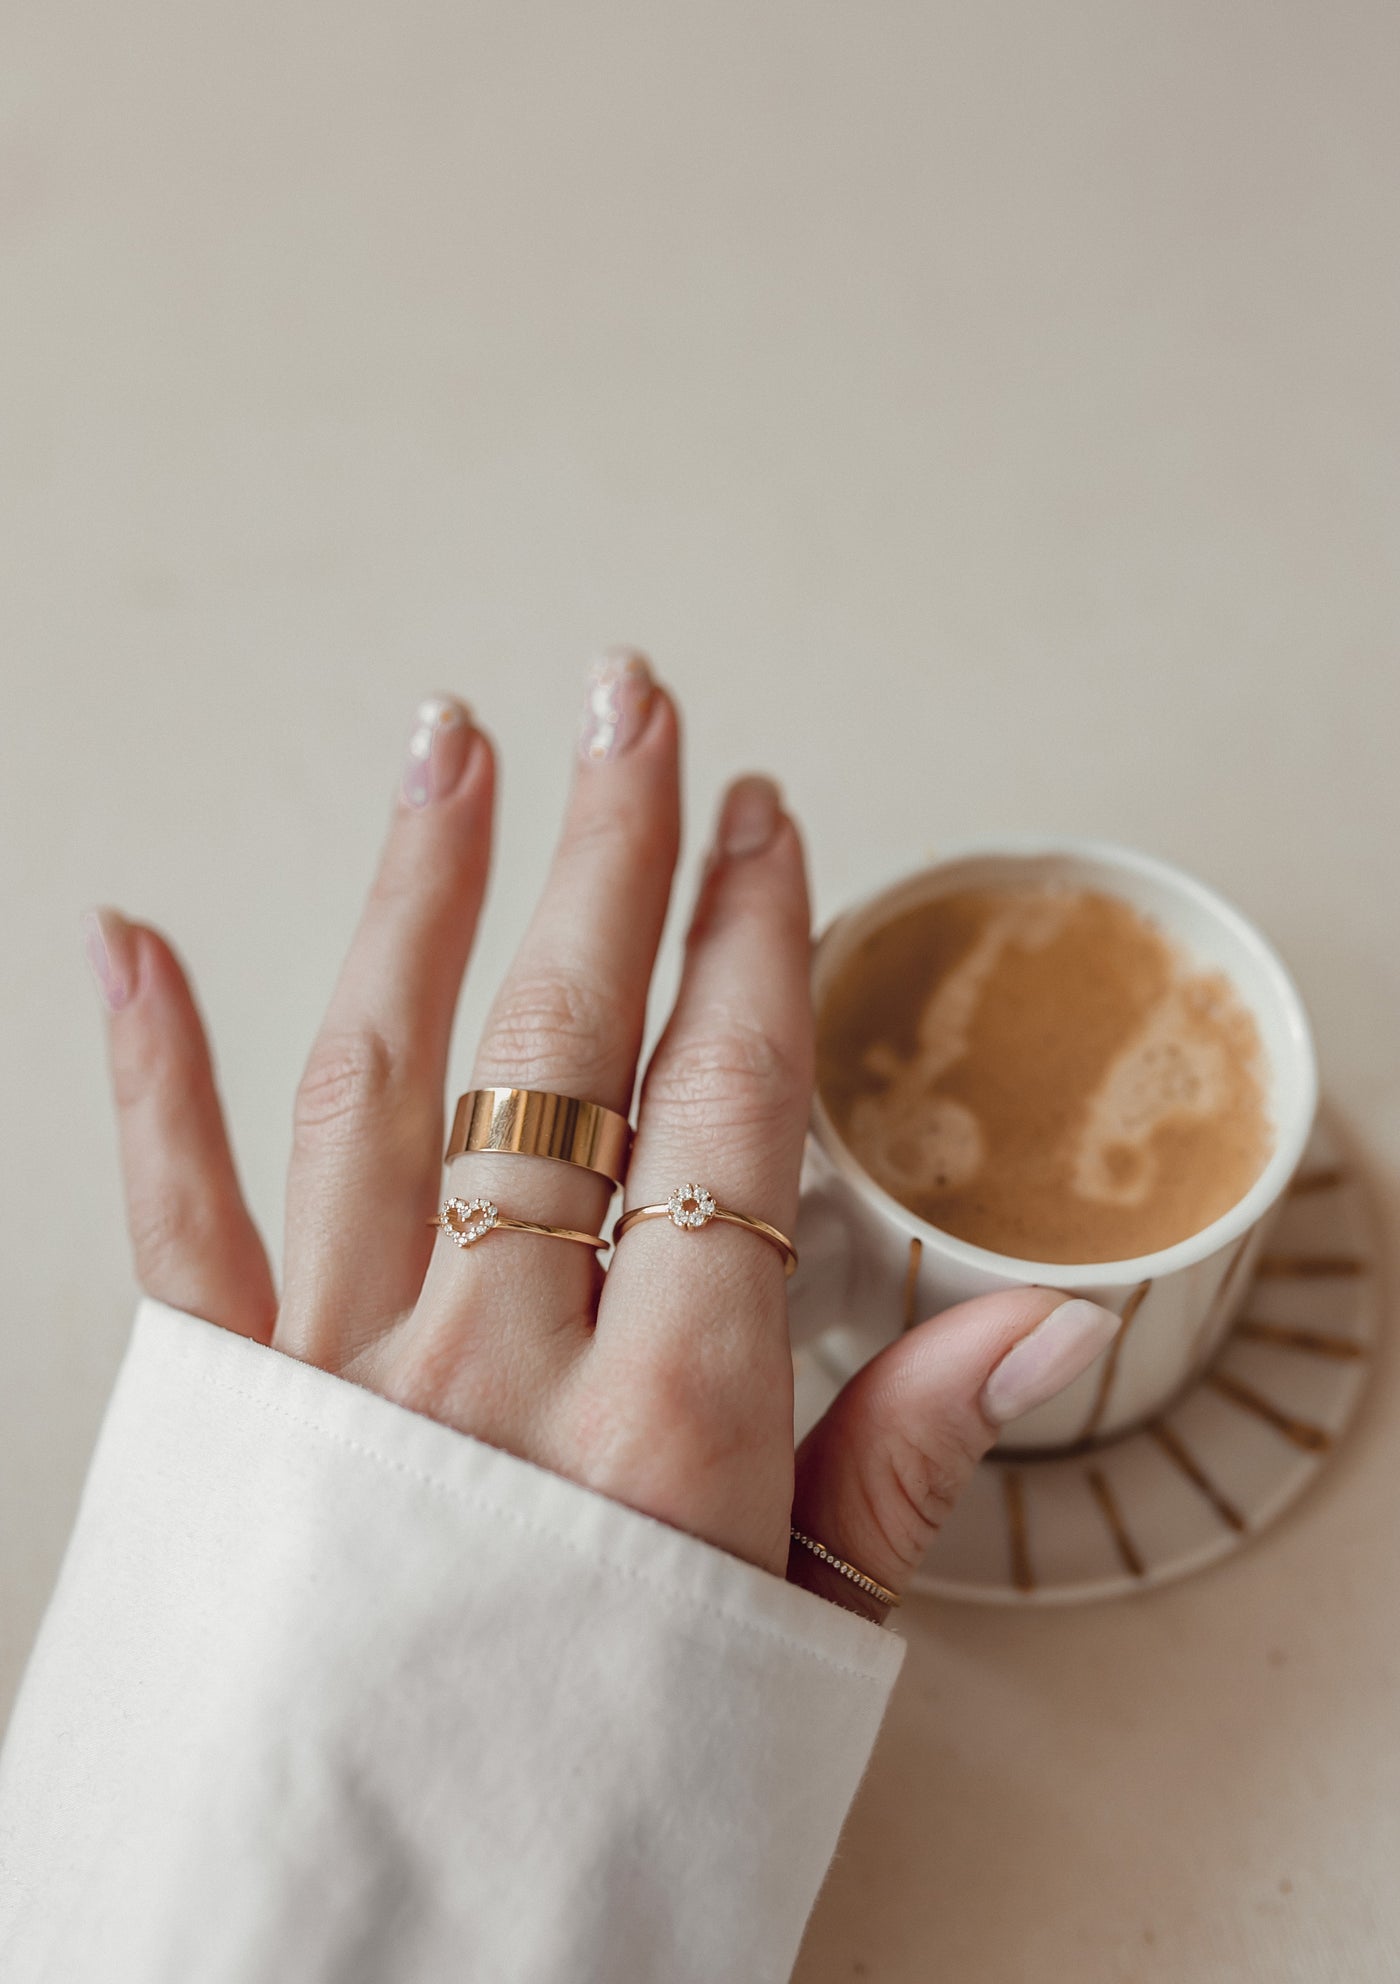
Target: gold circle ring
(692, 1206)
(466, 1221)
(532, 1122)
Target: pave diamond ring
(692, 1206)
(465, 1221)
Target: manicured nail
(1056, 1352)
(111, 951)
(749, 817)
(616, 704)
(437, 749)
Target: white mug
(869, 1268)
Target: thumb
(880, 1471)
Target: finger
(368, 1122)
(698, 1318)
(193, 1239)
(879, 1473)
(570, 1013)
(727, 1094)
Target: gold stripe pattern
(1316, 1342)
(1110, 1364)
(1014, 1498)
(911, 1283)
(1227, 1280)
(1016, 1468)
(1219, 1303)
(1312, 1439)
(1113, 1516)
(1181, 1457)
(1309, 1267)
(1326, 1179)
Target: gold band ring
(693, 1206)
(530, 1122)
(829, 1557)
(468, 1220)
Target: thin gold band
(475, 1218)
(692, 1206)
(532, 1122)
(829, 1557)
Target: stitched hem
(486, 1504)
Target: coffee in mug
(1133, 1087)
(1044, 1072)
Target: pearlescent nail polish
(616, 704)
(107, 939)
(1053, 1355)
(437, 749)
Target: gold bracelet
(466, 1221)
(835, 1563)
(532, 1122)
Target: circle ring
(692, 1206)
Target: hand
(665, 1383)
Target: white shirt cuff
(330, 1691)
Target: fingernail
(1056, 1352)
(437, 749)
(616, 704)
(111, 951)
(749, 817)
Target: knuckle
(154, 1063)
(927, 1477)
(682, 1392)
(625, 843)
(409, 882)
(167, 1231)
(135, 1073)
(726, 1388)
(554, 1026)
(736, 896)
(622, 830)
(348, 1078)
(705, 1415)
(902, 1480)
(735, 1073)
(397, 880)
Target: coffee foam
(907, 1138)
(1169, 1069)
(1040, 1072)
(906, 1135)
(1030, 921)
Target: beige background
(988, 416)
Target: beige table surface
(988, 416)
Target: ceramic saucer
(1213, 1469)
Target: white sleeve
(329, 1692)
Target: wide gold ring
(693, 1206)
(466, 1221)
(531, 1122)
